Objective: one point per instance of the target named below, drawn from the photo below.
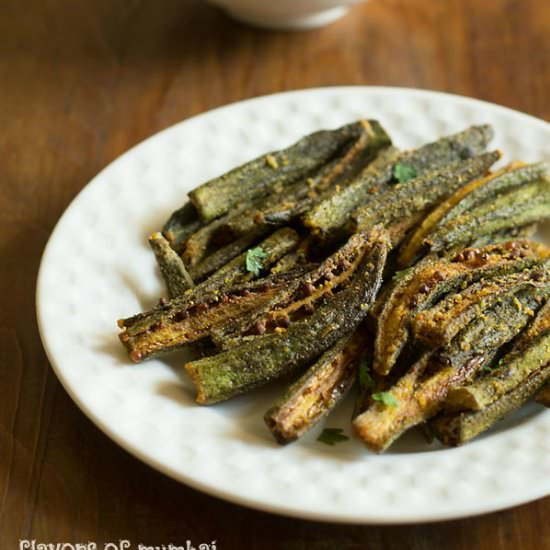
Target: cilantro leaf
(387, 398)
(331, 436)
(398, 275)
(403, 173)
(254, 258)
(364, 375)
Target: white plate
(97, 268)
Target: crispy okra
(332, 214)
(176, 277)
(464, 199)
(263, 174)
(432, 278)
(271, 356)
(403, 200)
(317, 391)
(458, 428)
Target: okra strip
(184, 320)
(332, 214)
(423, 390)
(226, 254)
(260, 176)
(273, 355)
(459, 428)
(432, 278)
(180, 226)
(317, 391)
(495, 326)
(529, 353)
(406, 199)
(417, 398)
(299, 297)
(199, 243)
(287, 203)
(235, 272)
(467, 197)
(524, 205)
(544, 396)
(438, 325)
(176, 277)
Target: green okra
(411, 197)
(261, 175)
(416, 397)
(273, 355)
(529, 353)
(299, 297)
(234, 272)
(317, 391)
(495, 326)
(508, 374)
(422, 391)
(518, 207)
(432, 278)
(456, 429)
(513, 176)
(181, 225)
(176, 277)
(198, 245)
(284, 204)
(332, 214)
(191, 316)
(227, 254)
(544, 396)
(437, 325)
(466, 198)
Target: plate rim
(255, 503)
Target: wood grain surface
(81, 82)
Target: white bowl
(286, 14)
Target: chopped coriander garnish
(254, 258)
(364, 375)
(331, 436)
(387, 398)
(403, 173)
(398, 275)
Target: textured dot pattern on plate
(97, 267)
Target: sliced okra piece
(273, 355)
(317, 391)
(458, 428)
(176, 277)
(464, 199)
(284, 204)
(416, 195)
(300, 297)
(432, 278)
(190, 317)
(226, 254)
(332, 213)
(181, 225)
(518, 207)
(439, 324)
(529, 353)
(422, 391)
(260, 176)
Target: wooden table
(81, 82)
